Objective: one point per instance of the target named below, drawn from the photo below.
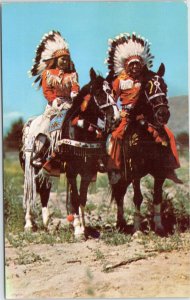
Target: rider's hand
(73, 94)
(123, 114)
(56, 103)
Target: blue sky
(87, 26)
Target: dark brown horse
(144, 154)
(79, 149)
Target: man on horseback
(57, 76)
(129, 59)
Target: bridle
(154, 83)
(109, 102)
(109, 99)
(155, 91)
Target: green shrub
(13, 210)
(183, 138)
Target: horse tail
(29, 182)
(29, 172)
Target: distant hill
(179, 118)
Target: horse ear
(161, 70)
(110, 77)
(92, 74)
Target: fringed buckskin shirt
(126, 88)
(56, 83)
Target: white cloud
(10, 116)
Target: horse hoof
(79, 234)
(159, 230)
(137, 234)
(121, 226)
(28, 228)
(79, 231)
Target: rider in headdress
(55, 72)
(128, 60)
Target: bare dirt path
(91, 268)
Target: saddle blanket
(57, 121)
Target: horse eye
(108, 90)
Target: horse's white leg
(78, 229)
(45, 216)
(28, 222)
(157, 218)
(29, 191)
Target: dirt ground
(94, 269)
(87, 269)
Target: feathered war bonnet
(52, 46)
(127, 48)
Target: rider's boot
(173, 176)
(37, 163)
(114, 176)
(101, 166)
(52, 166)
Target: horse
(146, 150)
(77, 149)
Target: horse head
(101, 91)
(155, 92)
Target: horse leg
(157, 200)
(74, 206)
(137, 199)
(29, 190)
(118, 193)
(28, 222)
(83, 198)
(44, 196)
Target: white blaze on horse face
(106, 87)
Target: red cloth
(56, 83)
(172, 144)
(127, 89)
(114, 160)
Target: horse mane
(85, 90)
(73, 111)
(141, 107)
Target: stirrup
(101, 166)
(114, 176)
(36, 163)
